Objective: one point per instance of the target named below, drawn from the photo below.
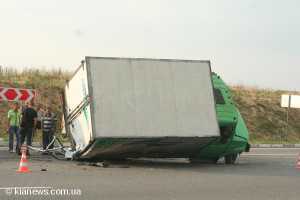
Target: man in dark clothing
(48, 127)
(28, 123)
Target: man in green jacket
(14, 117)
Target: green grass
(264, 117)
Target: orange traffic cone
(298, 162)
(23, 168)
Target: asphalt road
(261, 174)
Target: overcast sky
(249, 42)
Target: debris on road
(104, 164)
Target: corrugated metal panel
(76, 92)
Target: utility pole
(287, 118)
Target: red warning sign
(16, 94)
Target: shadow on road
(257, 166)
(247, 166)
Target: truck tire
(231, 159)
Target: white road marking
(275, 148)
(277, 154)
(7, 188)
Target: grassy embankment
(260, 108)
(265, 118)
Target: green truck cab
(234, 133)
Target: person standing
(48, 128)
(40, 113)
(13, 126)
(28, 123)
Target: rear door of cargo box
(78, 108)
(148, 98)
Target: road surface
(261, 174)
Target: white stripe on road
(274, 148)
(7, 188)
(260, 154)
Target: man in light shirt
(14, 117)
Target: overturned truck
(119, 108)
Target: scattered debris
(104, 164)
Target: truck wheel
(231, 159)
